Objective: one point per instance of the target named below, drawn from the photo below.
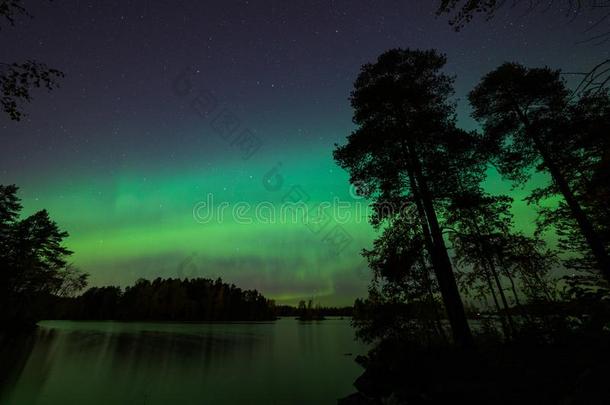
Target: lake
(282, 362)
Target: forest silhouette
(453, 239)
(168, 300)
(445, 245)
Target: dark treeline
(307, 311)
(301, 311)
(37, 282)
(170, 299)
(190, 300)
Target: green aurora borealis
(120, 160)
(133, 225)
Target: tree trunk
(513, 287)
(429, 247)
(492, 268)
(437, 319)
(492, 291)
(597, 247)
(444, 270)
(594, 241)
(505, 329)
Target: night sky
(122, 153)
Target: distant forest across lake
(186, 300)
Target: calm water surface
(283, 362)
